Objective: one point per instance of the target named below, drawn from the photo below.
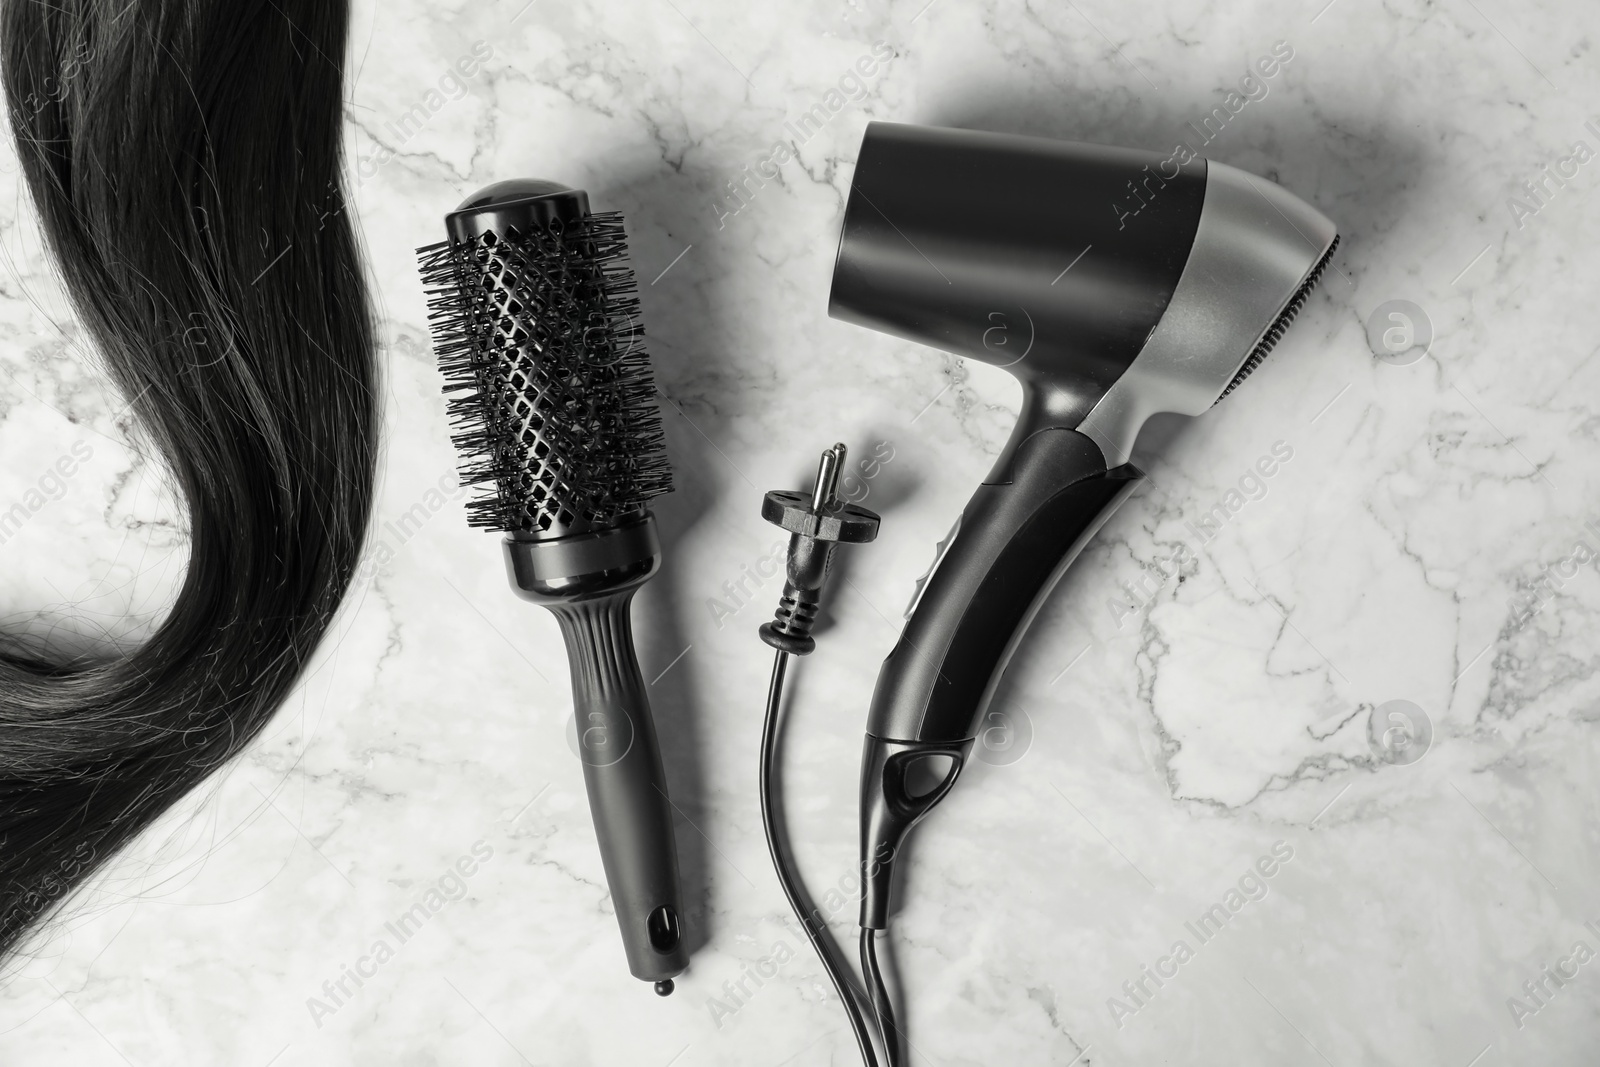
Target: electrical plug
(816, 526)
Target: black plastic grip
(627, 786)
(1014, 542)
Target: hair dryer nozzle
(1257, 253)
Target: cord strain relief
(790, 628)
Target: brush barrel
(588, 581)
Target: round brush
(537, 332)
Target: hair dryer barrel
(1051, 259)
(1114, 284)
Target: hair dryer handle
(1014, 542)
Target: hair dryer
(1114, 284)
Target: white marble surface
(1229, 712)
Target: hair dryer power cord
(856, 1001)
(818, 524)
(882, 1005)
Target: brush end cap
(511, 191)
(519, 203)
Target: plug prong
(825, 494)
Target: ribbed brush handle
(627, 787)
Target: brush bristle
(540, 335)
(1285, 319)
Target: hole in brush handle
(663, 929)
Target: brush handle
(626, 784)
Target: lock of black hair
(184, 158)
